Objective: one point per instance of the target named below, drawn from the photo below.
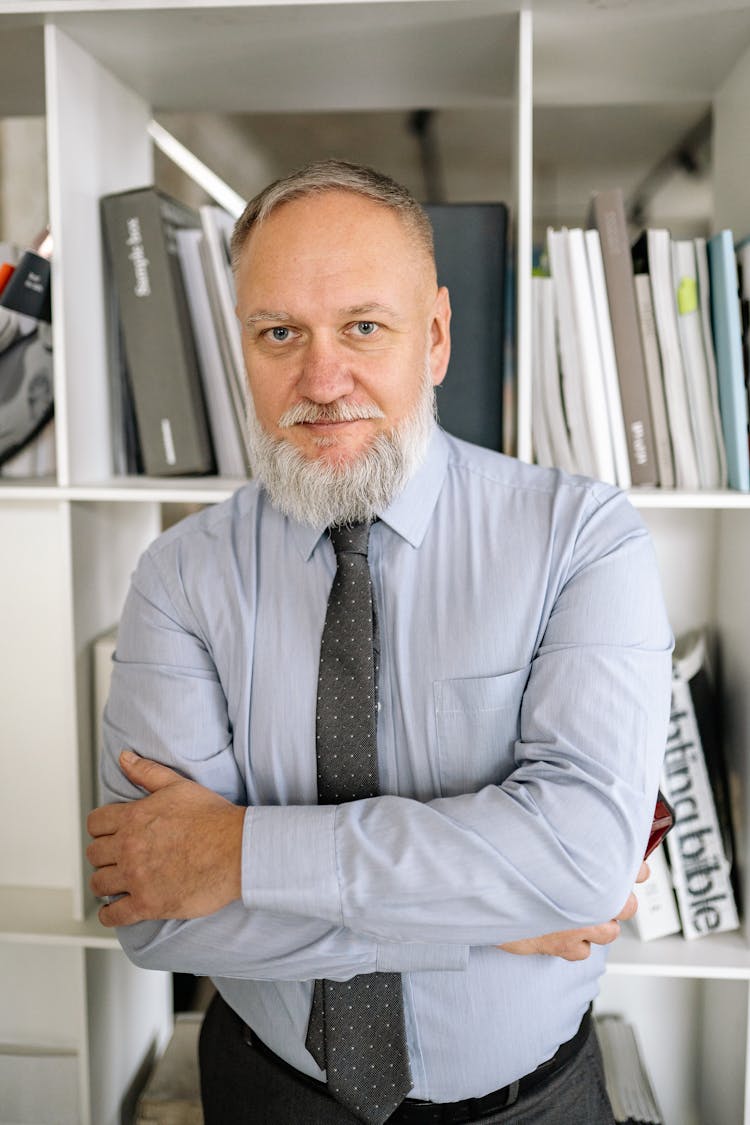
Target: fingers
(149, 775)
(523, 947)
(104, 820)
(107, 881)
(629, 909)
(102, 851)
(142, 772)
(603, 934)
(570, 945)
(578, 951)
(118, 913)
(644, 873)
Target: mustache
(338, 411)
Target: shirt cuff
(289, 866)
(289, 861)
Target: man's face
(339, 308)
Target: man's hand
(575, 945)
(175, 853)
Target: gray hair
(334, 175)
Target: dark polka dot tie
(356, 1030)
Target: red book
(6, 272)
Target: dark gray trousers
(242, 1086)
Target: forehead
(333, 231)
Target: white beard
(322, 494)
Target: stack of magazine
(178, 375)
(639, 355)
(628, 1084)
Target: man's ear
(440, 336)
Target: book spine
(658, 256)
(609, 218)
(102, 654)
(541, 437)
(700, 868)
(225, 425)
(216, 226)
(652, 360)
(590, 371)
(551, 388)
(695, 365)
(727, 333)
(570, 355)
(608, 360)
(704, 303)
(139, 228)
(657, 909)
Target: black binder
(471, 250)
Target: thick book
(618, 437)
(743, 279)
(126, 446)
(607, 215)
(510, 389)
(704, 305)
(700, 846)
(217, 225)
(470, 253)
(102, 654)
(576, 411)
(541, 433)
(709, 442)
(549, 427)
(652, 255)
(226, 427)
(652, 360)
(591, 370)
(657, 914)
(727, 332)
(139, 230)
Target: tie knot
(350, 539)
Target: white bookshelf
(98, 70)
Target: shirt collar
(411, 511)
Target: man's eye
(279, 333)
(366, 327)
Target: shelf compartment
(720, 957)
(44, 916)
(692, 1035)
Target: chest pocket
(478, 721)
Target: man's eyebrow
(368, 308)
(265, 314)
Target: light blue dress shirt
(524, 696)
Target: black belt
(413, 1112)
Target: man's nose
(326, 373)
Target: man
(518, 713)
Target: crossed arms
(176, 853)
(295, 891)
